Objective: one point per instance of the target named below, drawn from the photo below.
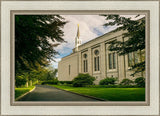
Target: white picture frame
(8, 105)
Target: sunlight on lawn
(111, 94)
(21, 91)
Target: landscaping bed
(109, 94)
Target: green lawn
(21, 91)
(111, 94)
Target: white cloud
(55, 63)
(87, 26)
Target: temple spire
(77, 40)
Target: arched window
(85, 63)
(112, 60)
(96, 60)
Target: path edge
(80, 94)
(25, 94)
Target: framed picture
(80, 58)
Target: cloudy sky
(90, 27)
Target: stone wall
(64, 72)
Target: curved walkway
(48, 93)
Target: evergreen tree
(134, 38)
(35, 37)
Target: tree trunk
(30, 82)
(27, 84)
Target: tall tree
(134, 38)
(35, 37)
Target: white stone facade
(94, 58)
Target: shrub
(20, 80)
(126, 82)
(82, 80)
(140, 81)
(54, 81)
(108, 81)
(111, 86)
(65, 82)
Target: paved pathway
(48, 93)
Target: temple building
(93, 57)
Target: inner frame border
(79, 12)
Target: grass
(21, 91)
(110, 94)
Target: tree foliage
(35, 75)
(20, 81)
(126, 82)
(35, 37)
(140, 81)
(133, 37)
(43, 73)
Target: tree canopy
(134, 37)
(35, 38)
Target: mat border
(80, 0)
